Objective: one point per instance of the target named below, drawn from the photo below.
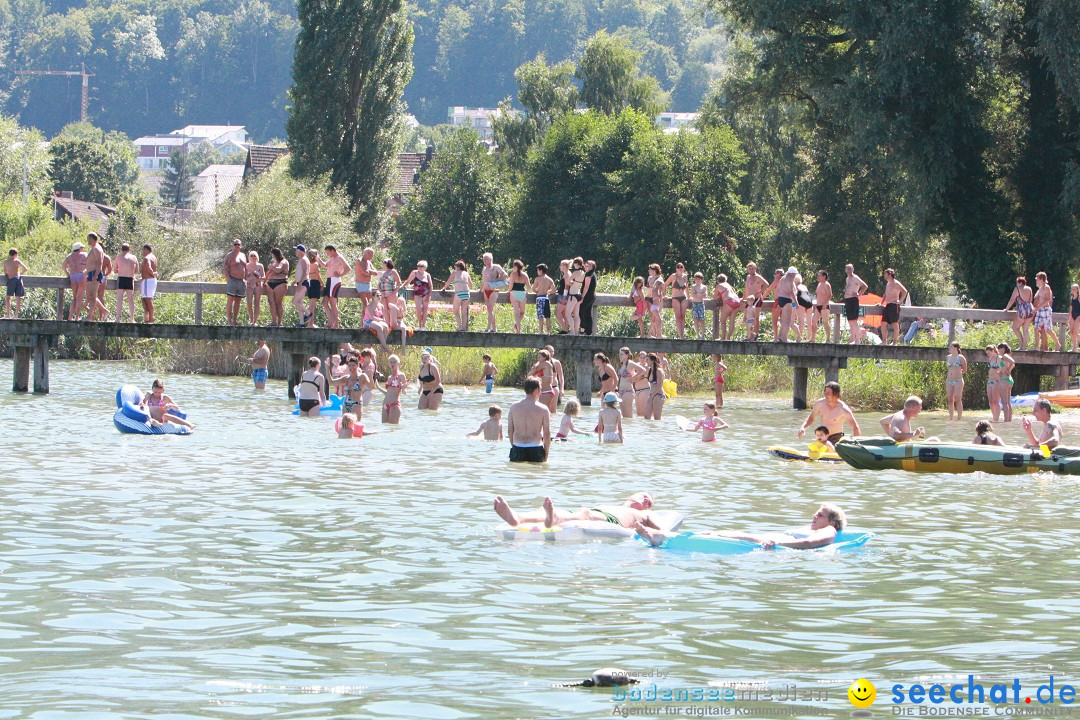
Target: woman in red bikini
(395, 383)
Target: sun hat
(611, 397)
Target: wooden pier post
(583, 386)
(802, 365)
(836, 327)
(1061, 377)
(20, 361)
(198, 310)
(297, 363)
(716, 320)
(832, 374)
(40, 352)
(60, 303)
(798, 389)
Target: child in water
(345, 430)
(821, 442)
(492, 427)
(709, 424)
(571, 411)
(337, 374)
(490, 371)
(609, 428)
(984, 434)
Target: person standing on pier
(301, 284)
(126, 265)
(785, 300)
(13, 270)
(729, 302)
(543, 286)
(364, 269)
(1025, 311)
(235, 271)
(832, 412)
(96, 271)
(588, 297)
(148, 287)
(74, 267)
(895, 293)
(336, 266)
(819, 315)
(1044, 309)
(853, 288)
(493, 279)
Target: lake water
(261, 567)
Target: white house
(154, 150)
(479, 119)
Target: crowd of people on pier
(562, 300)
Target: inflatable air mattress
(847, 539)
(790, 453)
(332, 407)
(583, 529)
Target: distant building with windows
(479, 119)
(675, 121)
(154, 150)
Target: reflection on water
(262, 567)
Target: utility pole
(69, 73)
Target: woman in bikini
(254, 274)
(729, 302)
(574, 286)
(719, 368)
(369, 372)
(992, 377)
(356, 383)
(389, 282)
(311, 392)
(654, 406)
(519, 291)
(955, 367)
(640, 382)
(277, 284)
(608, 377)
(395, 383)
(1025, 311)
(655, 291)
(430, 377)
(75, 268)
(1074, 316)
(544, 371)
(420, 279)
(641, 304)
(1005, 380)
(462, 284)
(627, 370)
(678, 281)
(160, 405)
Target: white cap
(77, 246)
(792, 271)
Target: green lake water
(263, 568)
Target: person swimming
(491, 428)
(566, 426)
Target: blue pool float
(333, 406)
(130, 419)
(848, 539)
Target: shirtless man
(898, 425)
(364, 269)
(853, 288)
(832, 412)
(148, 287)
(756, 285)
(785, 300)
(494, 279)
(126, 265)
(336, 267)
(74, 267)
(13, 270)
(1051, 432)
(1044, 309)
(895, 293)
(822, 530)
(95, 278)
(301, 284)
(235, 271)
(819, 316)
(635, 510)
(259, 360)
(543, 286)
(528, 426)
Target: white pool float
(584, 529)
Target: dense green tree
(546, 92)
(178, 181)
(611, 81)
(24, 163)
(95, 165)
(460, 209)
(353, 59)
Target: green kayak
(882, 453)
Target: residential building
(675, 121)
(215, 185)
(65, 206)
(479, 119)
(154, 150)
(409, 168)
(260, 158)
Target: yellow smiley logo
(862, 693)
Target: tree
(24, 163)
(611, 81)
(95, 165)
(546, 92)
(353, 60)
(460, 208)
(178, 184)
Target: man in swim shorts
(785, 300)
(543, 286)
(13, 270)
(820, 313)
(364, 269)
(259, 360)
(529, 426)
(634, 510)
(898, 425)
(853, 288)
(235, 271)
(832, 412)
(1051, 432)
(74, 266)
(148, 272)
(1044, 309)
(95, 278)
(336, 266)
(126, 265)
(895, 293)
(822, 530)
